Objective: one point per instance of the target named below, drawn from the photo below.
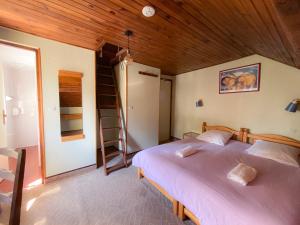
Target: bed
(198, 187)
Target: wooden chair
(14, 198)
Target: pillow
(215, 137)
(278, 152)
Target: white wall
(262, 112)
(121, 77)
(63, 156)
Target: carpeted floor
(94, 199)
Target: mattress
(199, 182)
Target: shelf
(72, 135)
(70, 89)
(74, 116)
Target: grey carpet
(95, 199)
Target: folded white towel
(242, 174)
(186, 151)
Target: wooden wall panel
(183, 35)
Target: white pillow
(279, 152)
(215, 137)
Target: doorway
(21, 125)
(165, 106)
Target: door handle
(4, 116)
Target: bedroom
(165, 67)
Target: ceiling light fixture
(128, 59)
(148, 11)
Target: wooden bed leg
(245, 135)
(140, 173)
(181, 214)
(175, 206)
(204, 124)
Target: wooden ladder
(108, 97)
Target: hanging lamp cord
(128, 44)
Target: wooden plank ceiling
(184, 35)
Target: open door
(2, 111)
(21, 115)
(165, 102)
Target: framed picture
(240, 79)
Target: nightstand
(190, 134)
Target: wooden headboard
(237, 135)
(251, 138)
(244, 135)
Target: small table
(190, 134)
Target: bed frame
(251, 138)
(237, 135)
(161, 190)
(242, 135)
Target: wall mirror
(70, 99)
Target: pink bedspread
(199, 182)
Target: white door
(4, 164)
(143, 104)
(2, 111)
(165, 110)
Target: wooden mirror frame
(75, 101)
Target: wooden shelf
(72, 135)
(73, 116)
(70, 89)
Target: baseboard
(70, 173)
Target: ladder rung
(112, 141)
(115, 167)
(108, 95)
(111, 128)
(109, 117)
(103, 66)
(113, 154)
(110, 85)
(108, 106)
(105, 75)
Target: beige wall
(262, 112)
(62, 157)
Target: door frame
(39, 99)
(171, 104)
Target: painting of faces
(241, 79)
